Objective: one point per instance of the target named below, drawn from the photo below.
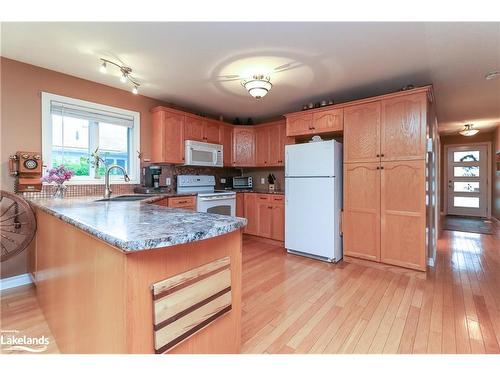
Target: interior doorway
(468, 169)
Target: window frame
(134, 172)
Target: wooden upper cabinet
(361, 216)
(167, 136)
(299, 124)
(403, 129)
(212, 131)
(328, 121)
(277, 137)
(193, 129)
(362, 133)
(227, 144)
(403, 213)
(262, 146)
(243, 146)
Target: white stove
(208, 199)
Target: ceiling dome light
(258, 86)
(103, 69)
(468, 130)
(135, 90)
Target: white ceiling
(189, 63)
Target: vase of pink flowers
(58, 176)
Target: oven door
(217, 204)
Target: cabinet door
(264, 212)
(262, 147)
(362, 133)
(194, 129)
(276, 137)
(403, 129)
(167, 145)
(361, 226)
(212, 132)
(328, 121)
(227, 143)
(403, 213)
(243, 147)
(278, 222)
(251, 213)
(240, 204)
(299, 125)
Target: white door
(467, 178)
(310, 217)
(310, 159)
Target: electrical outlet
(168, 181)
(222, 180)
(262, 180)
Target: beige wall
(460, 139)
(20, 125)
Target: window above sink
(73, 129)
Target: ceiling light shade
(135, 90)
(468, 130)
(258, 86)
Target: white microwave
(203, 154)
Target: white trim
(15, 281)
(488, 179)
(135, 169)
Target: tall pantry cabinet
(385, 163)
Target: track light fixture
(126, 74)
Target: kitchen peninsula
(138, 277)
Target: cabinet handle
(378, 155)
(382, 155)
(381, 167)
(378, 167)
(269, 206)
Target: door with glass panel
(467, 180)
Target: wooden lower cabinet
(361, 217)
(403, 214)
(240, 204)
(251, 213)
(384, 214)
(265, 214)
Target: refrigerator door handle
(341, 222)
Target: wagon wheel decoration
(17, 225)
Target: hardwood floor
(297, 305)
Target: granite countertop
(138, 225)
(259, 191)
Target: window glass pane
(114, 147)
(472, 187)
(472, 171)
(471, 202)
(465, 156)
(70, 144)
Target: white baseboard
(14, 281)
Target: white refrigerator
(313, 199)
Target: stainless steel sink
(125, 198)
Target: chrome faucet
(107, 190)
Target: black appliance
(152, 176)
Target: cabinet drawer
(263, 197)
(182, 202)
(278, 198)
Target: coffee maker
(152, 176)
